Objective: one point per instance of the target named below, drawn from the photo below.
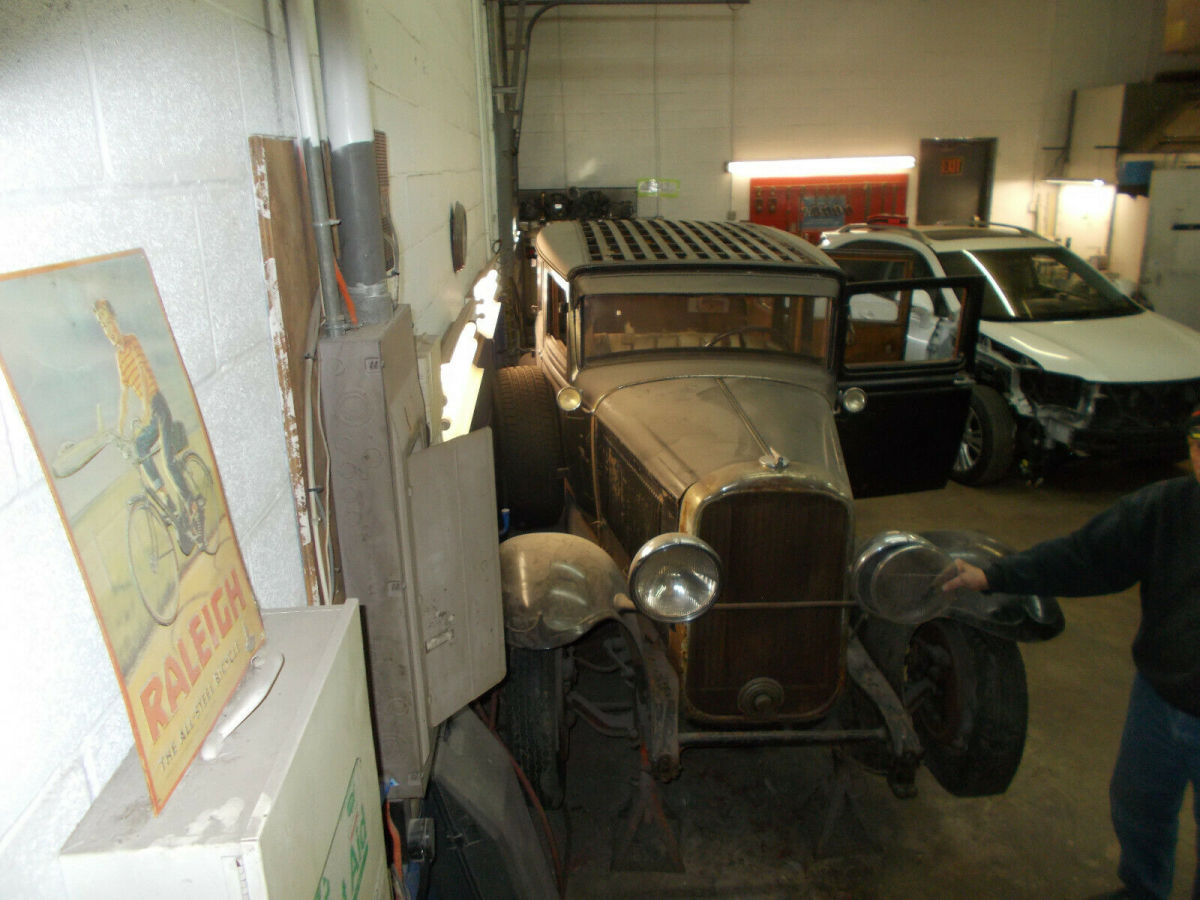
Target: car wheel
(967, 695)
(532, 720)
(986, 451)
(528, 450)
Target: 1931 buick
(707, 401)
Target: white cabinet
(289, 809)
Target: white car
(1066, 363)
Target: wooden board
(292, 279)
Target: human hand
(960, 574)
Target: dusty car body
(1067, 365)
(702, 413)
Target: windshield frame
(734, 281)
(1002, 302)
(763, 320)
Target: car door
(904, 376)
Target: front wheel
(967, 694)
(532, 720)
(986, 451)
(152, 561)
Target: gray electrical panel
(417, 534)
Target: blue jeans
(1160, 754)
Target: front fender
(556, 587)
(1016, 617)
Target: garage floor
(749, 821)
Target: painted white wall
(625, 93)
(126, 125)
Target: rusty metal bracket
(657, 849)
(657, 696)
(905, 744)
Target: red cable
(559, 875)
(397, 850)
(350, 308)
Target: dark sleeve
(1104, 556)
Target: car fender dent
(555, 588)
(1016, 617)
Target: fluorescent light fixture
(845, 165)
(1095, 182)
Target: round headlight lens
(896, 578)
(854, 400)
(674, 577)
(569, 399)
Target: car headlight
(896, 578)
(674, 577)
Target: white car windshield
(615, 324)
(1039, 284)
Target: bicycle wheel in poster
(152, 561)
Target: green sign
(658, 187)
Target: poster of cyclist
(97, 375)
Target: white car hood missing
(1125, 349)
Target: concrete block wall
(429, 92)
(126, 125)
(626, 93)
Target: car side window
(879, 261)
(958, 263)
(556, 309)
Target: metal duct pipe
(331, 300)
(352, 151)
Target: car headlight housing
(895, 577)
(674, 577)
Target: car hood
(1119, 350)
(683, 428)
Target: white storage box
(289, 809)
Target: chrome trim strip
(751, 476)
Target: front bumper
(1121, 421)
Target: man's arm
(1102, 557)
(123, 409)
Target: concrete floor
(748, 821)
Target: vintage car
(682, 455)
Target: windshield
(1039, 284)
(618, 324)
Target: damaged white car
(1066, 364)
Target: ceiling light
(845, 165)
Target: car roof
(615, 244)
(949, 236)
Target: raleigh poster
(96, 373)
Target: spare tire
(528, 450)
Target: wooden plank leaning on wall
(291, 277)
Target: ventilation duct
(352, 156)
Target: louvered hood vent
(639, 240)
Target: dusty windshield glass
(614, 324)
(1040, 284)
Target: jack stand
(658, 851)
(842, 799)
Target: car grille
(1161, 406)
(778, 625)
